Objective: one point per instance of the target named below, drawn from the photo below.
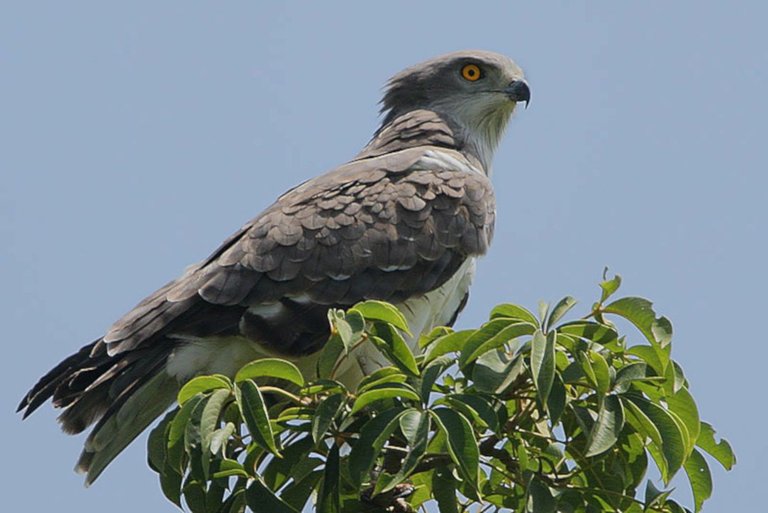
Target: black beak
(518, 91)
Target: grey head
(474, 91)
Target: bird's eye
(471, 72)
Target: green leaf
(656, 358)
(450, 343)
(393, 346)
(473, 406)
(297, 493)
(561, 308)
(324, 415)
(430, 375)
(381, 378)
(721, 450)
(492, 335)
(323, 386)
(543, 363)
(157, 447)
(374, 310)
(654, 496)
(494, 371)
(368, 447)
(540, 499)
(514, 312)
(329, 355)
(436, 333)
(643, 425)
(194, 496)
(700, 478)
(235, 503)
(378, 394)
(296, 463)
(557, 400)
(601, 372)
(202, 384)
(254, 412)
(444, 490)
(349, 326)
(260, 498)
(175, 454)
(609, 286)
(209, 421)
(683, 405)
(229, 468)
(639, 311)
(270, 368)
(220, 437)
(170, 483)
(590, 330)
(627, 374)
(543, 310)
(329, 496)
(462, 444)
(673, 440)
(415, 426)
(605, 432)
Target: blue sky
(134, 138)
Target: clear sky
(134, 138)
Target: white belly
(423, 313)
(227, 355)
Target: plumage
(403, 221)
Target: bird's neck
(426, 128)
(409, 130)
(413, 129)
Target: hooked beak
(518, 91)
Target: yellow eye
(471, 72)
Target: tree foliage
(526, 413)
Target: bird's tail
(115, 431)
(122, 393)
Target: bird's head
(475, 91)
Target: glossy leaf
(202, 384)
(260, 498)
(374, 310)
(673, 440)
(590, 330)
(366, 450)
(540, 499)
(416, 431)
(379, 394)
(543, 363)
(324, 415)
(700, 478)
(329, 500)
(450, 343)
(271, 368)
(639, 311)
(491, 336)
(393, 345)
(721, 450)
(559, 310)
(254, 412)
(329, 356)
(462, 444)
(514, 312)
(608, 426)
(683, 405)
(380, 378)
(609, 286)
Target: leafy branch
(525, 413)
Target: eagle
(403, 221)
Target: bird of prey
(402, 222)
